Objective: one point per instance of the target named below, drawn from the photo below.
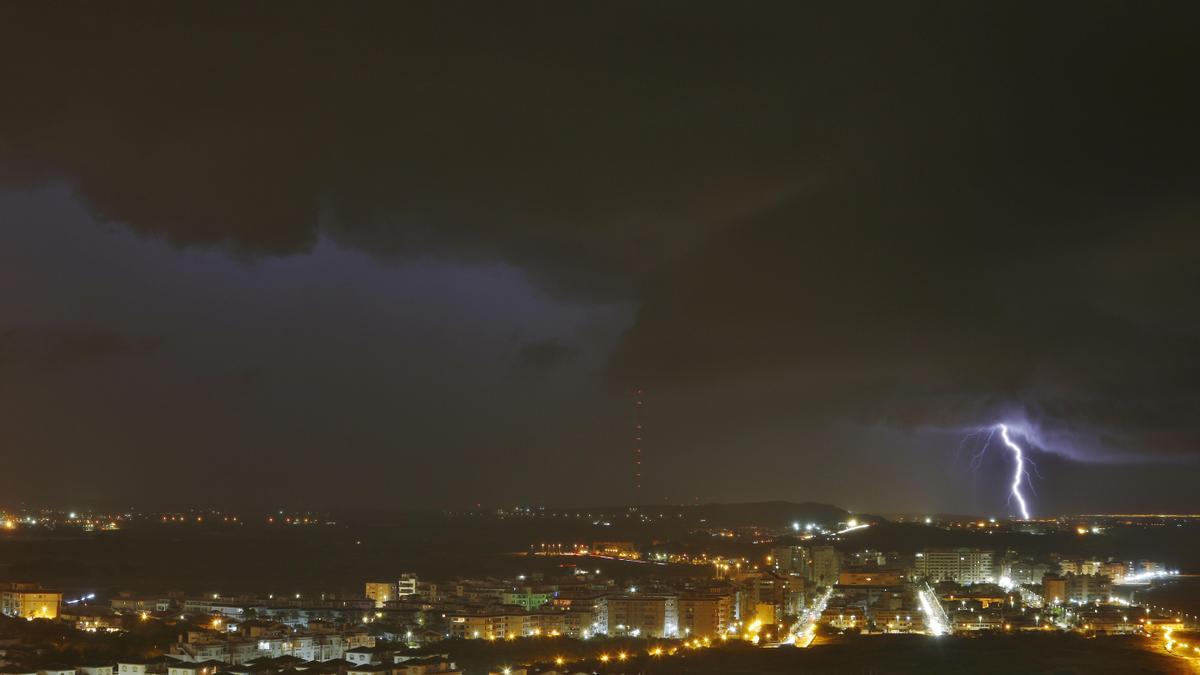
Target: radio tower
(638, 405)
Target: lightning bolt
(1018, 472)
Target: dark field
(258, 558)
(309, 559)
(1025, 654)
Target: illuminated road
(1182, 649)
(806, 627)
(936, 622)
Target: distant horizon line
(517, 508)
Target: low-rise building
(844, 617)
(154, 666)
(435, 664)
(406, 585)
(30, 604)
(616, 549)
(969, 621)
(196, 668)
(380, 592)
(898, 620)
(369, 669)
(526, 598)
(365, 656)
(126, 602)
(877, 577)
(491, 625)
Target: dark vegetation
(1060, 654)
(45, 642)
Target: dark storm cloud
(921, 215)
(66, 347)
(543, 356)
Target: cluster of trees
(53, 641)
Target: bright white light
(1146, 577)
(1018, 471)
(932, 611)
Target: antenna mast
(639, 405)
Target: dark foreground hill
(1059, 654)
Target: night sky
(420, 254)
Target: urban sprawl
(811, 583)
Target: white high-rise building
(962, 565)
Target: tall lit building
(704, 615)
(1027, 572)
(1087, 587)
(826, 565)
(791, 559)
(644, 615)
(1115, 571)
(1054, 589)
(961, 565)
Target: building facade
(380, 592)
(643, 615)
(791, 559)
(30, 604)
(826, 565)
(960, 565)
(705, 615)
